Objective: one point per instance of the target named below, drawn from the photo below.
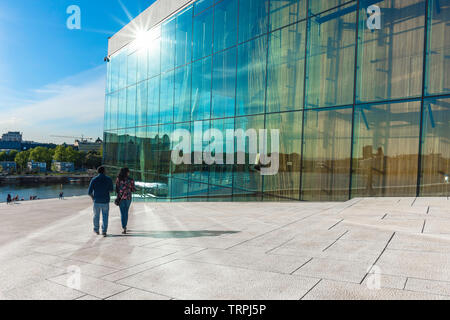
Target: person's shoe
(96, 232)
(124, 231)
(104, 234)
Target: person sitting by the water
(8, 199)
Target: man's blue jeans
(104, 209)
(124, 208)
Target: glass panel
(123, 57)
(390, 61)
(167, 97)
(114, 110)
(385, 151)
(286, 70)
(154, 58)
(181, 171)
(251, 80)
(318, 6)
(253, 18)
(224, 84)
(130, 148)
(331, 58)
(184, 37)
(203, 32)
(141, 107)
(182, 109)
(115, 69)
(153, 101)
(107, 113)
(436, 148)
(151, 150)
(165, 150)
(131, 107)
(221, 174)
(132, 68)
(141, 137)
(121, 150)
(201, 5)
(326, 154)
(286, 183)
(285, 12)
(122, 109)
(200, 170)
(225, 24)
(168, 33)
(201, 89)
(438, 81)
(247, 179)
(142, 67)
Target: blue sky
(52, 79)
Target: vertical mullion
(422, 106)
(355, 85)
(305, 74)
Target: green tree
(71, 155)
(41, 154)
(3, 156)
(22, 159)
(11, 155)
(60, 154)
(93, 160)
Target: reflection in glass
(153, 101)
(203, 34)
(168, 34)
(224, 84)
(285, 12)
(141, 106)
(201, 89)
(326, 154)
(331, 58)
(390, 60)
(251, 80)
(182, 106)
(225, 24)
(247, 178)
(286, 183)
(286, 69)
(435, 178)
(253, 18)
(438, 81)
(167, 97)
(131, 107)
(184, 37)
(385, 151)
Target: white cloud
(73, 106)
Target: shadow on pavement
(174, 234)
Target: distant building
(13, 140)
(85, 146)
(63, 166)
(8, 166)
(37, 166)
(12, 136)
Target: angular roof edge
(151, 17)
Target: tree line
(81, 160)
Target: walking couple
(99, 190)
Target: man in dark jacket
(99, 190)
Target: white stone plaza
(371, 248)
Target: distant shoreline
(38, 179)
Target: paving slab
(178, 278)
(258, 250)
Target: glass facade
(359, 92)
